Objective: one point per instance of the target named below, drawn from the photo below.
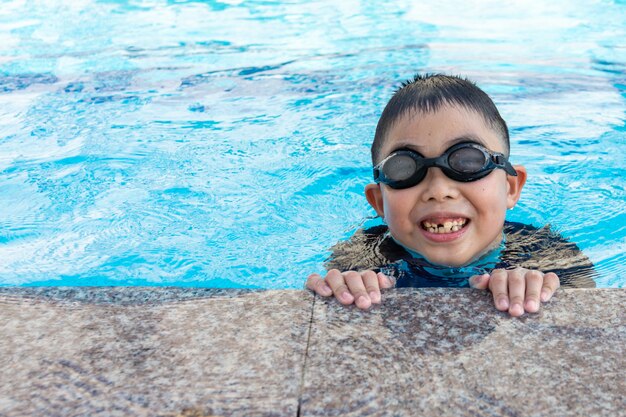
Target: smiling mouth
(443, 226)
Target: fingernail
(503, 303)
(347, 297)
(477, 279)
(326, 289)
(545, 295)
(516, 310)
(375, 297)
(532, 306)
(363, 302)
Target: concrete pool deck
(124, 351)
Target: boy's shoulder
(368, 248)
(526, 246)
(544, 249)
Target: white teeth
(455, 228)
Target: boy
(443, 186)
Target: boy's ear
(374, 196)
(515, 185)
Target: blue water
(227, 143)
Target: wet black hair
(427, 93)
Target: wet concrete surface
(124, 351)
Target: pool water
(226, 143)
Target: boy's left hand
(517, 290)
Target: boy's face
(477, 208)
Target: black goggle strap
(502, 162)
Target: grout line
(306, 355)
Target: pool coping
(205, 352)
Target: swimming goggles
(464, 162)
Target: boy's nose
(438, 187)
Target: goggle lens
(400, 168)
(467, 160)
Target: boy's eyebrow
(448, 144)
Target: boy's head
(426, 94)
(453, 211)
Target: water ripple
(154, 144)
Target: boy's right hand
(361, 288)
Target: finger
(311, 280)
(534, 281)
(499, 289)
(370, 280)
(355, 283)
(550, 284)
(480, 282)
(335, 280)
(317, 284)
(384, 281)
(517, 291)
